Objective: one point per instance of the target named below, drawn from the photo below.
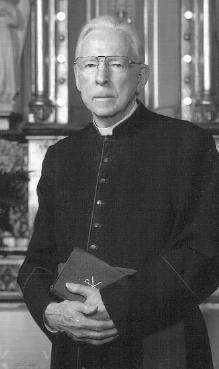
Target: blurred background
(39, 105)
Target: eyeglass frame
(130, 61)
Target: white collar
(108, 131)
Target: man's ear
(77, 78)
(142, 78)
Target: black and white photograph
(109, 184)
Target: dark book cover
(85, 268)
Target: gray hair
(111, 23)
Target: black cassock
(144, 198)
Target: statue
(13, 21)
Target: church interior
(39, 105)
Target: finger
(97, 325)
(83, 323)
(85, 335)
(87, 323)
(88, 309)
(101, 315)
(100, 342)
(79, 289)
(110, 333)
(71, 306)
(92, 342)
(78, 320)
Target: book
(84, 268)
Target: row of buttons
(93, 246)
(100, 203)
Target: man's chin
(104, 113)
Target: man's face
(107, 94)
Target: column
(205, 105)
(40, 105)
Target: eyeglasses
(117, 64)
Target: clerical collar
(108, 131)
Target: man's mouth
(103, 97)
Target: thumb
(80, 289)
(84, 308)
(90, 309)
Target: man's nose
(102, 74)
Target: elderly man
(130, 189)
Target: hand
(72, 317)
(93, 298)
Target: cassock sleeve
(38, 270)
(172, 282)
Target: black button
(103, 180)
(96, 225)
(106, 159)
(100, 202)
(93, 247)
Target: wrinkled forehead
(106, 41)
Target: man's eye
(90, 65)
(117, 65)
